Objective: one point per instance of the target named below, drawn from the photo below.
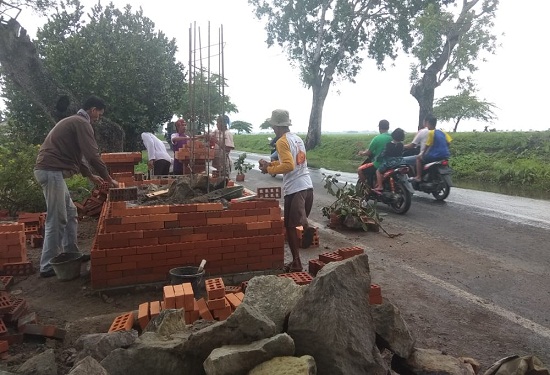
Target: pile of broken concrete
(326, 327)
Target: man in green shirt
(367, 171)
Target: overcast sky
(261, 79)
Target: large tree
(324, 38)
(448, 43)
(119, 56)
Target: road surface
(471, 274)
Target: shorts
(297, 208)
(390, 163)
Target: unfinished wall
(135, 245)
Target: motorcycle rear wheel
(443, 190)
(402, 206)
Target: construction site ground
(432, 318)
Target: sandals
(288, 268)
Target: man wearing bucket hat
(297, 184)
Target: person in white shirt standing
(419, 140)
(159, 159)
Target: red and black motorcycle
(397, 190)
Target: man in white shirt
(419, 140)
(159, 159)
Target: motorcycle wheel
(443, 190)
(402, 206)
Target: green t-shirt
(377, 145)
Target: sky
(261, 79)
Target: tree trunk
(424, 91)
(320, 92)
(21, 65)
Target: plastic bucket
(67, 265)
(187, 274)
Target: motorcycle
(397, 190)
(273, 155)
(436, 179)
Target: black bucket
(187, 274)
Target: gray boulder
(88, 366)
(41, 364)
(168, 322)
(332, 321)
(99, 345)
(240, 359)
(391, 329)
(431, 361)
(304, 365)
(273, 296)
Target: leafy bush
(19, 191)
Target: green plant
(241, 166)
(349, 205)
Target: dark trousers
(161, 167)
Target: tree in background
(323, 38)
(463, 107)
(447, 45)
(241, 127)
(117, 55)
(265, 125)
(204, 102)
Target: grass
(520, 159)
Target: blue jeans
(61, 220)
(410, 160)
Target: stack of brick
(120, 162)
(315, 265)
(136, 245)
(93, 205)
(34, 226)
(181, 296)
(300, 278)
(16, 321)
(300, 231)
(13, 250)
(194, 153)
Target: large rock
(88, 366)
(273, 296)
(305, 365)
(240, 359)
(168, 322)
(332, 321)
(431, 361)
(391, 329)
(41, 364)
(99, 345)
(185, 352)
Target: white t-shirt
(155, 147)
(228, 138)
(420, 138)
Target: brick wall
(12, 243)
(135, 245)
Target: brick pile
(194, 152)
(13, 250)
(120, 162)
(315, 265)
(34, 227)
(16, 320)
(92, 205)
(136, 245)
(300, 231)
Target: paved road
(481, 251)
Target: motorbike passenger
(419, 142)
(437, 147)
(391, 156)
(367, 170)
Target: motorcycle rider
(367, 171)
(391, 156)
(419, 141)
(437, 146)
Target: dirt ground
(74, 306)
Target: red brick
(29, 318)
(122, 323)
(215, 288)
(169, 297)
(375, 294)
(178, 293)
(222, 314)
(4, 346)
(203, 310)
(330, 257)
(189, 296)
(143, 315)
(233, 300)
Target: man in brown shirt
(62, 155)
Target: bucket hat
(279, 117)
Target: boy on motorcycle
(391, 157)
(367, 171)
(437, 147)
